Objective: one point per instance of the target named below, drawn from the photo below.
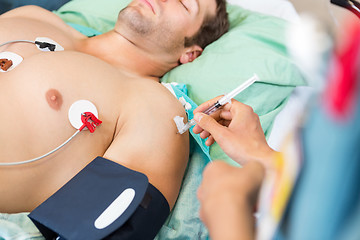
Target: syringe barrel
(213, 108)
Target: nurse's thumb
(208, 123)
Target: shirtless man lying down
(113, 71)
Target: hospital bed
(255, 43)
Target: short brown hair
(212, 28)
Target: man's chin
(135, 20)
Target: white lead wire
(16, 41)
(38, 158)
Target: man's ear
(190, 54)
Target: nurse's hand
(236, 128)
(228, 196)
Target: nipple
(54, 99)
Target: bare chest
(21, 33)
(35, 99)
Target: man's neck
(123, 54)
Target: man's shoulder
(28, 11)
(159, 95)
(150, 103)
(36, 13)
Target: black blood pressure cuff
(103, 201)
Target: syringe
(221, 102)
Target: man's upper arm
(148, 142)
(150, 135)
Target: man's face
(163, 24)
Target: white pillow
(278, 8)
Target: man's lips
(149, 4)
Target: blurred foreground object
(350, 5)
